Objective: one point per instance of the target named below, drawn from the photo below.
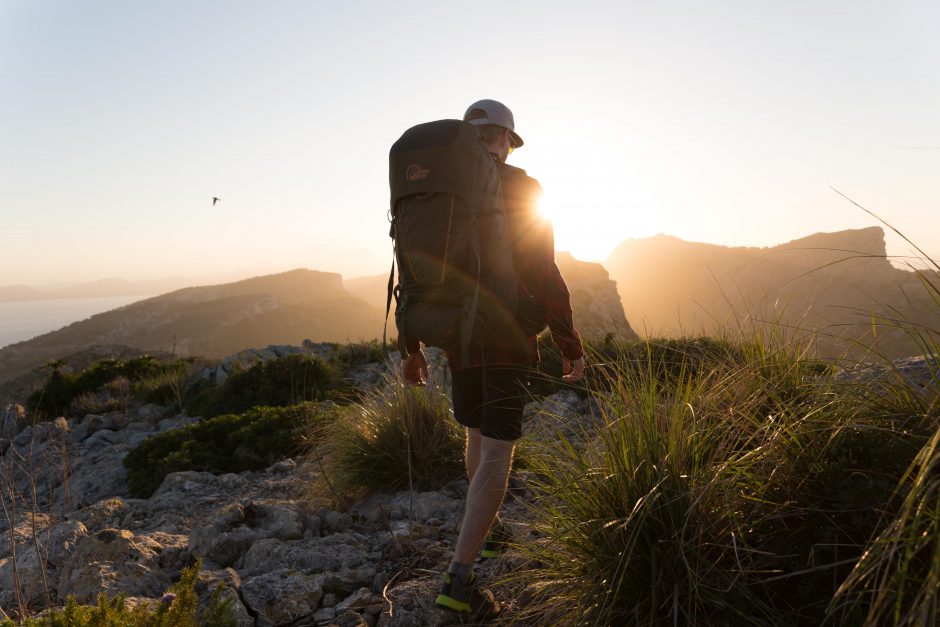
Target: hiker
(489, 384)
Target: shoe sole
(452, 604)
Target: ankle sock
(463, 571)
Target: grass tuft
(396, 435)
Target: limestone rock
(595, 301)
(223, 548)
(282, 596)
(41, 550)
(32, 582)
(379, 508)
(104, 513)
(340, 551)
(114, 560)
(274, 520)
(134, 579)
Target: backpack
(456, 278)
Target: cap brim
(516, 140)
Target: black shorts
(491, 399)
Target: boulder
(114, 560)
(282, 596)
(223, 548)
(109, 512)
(34, 582)
(97, 471)
(274, 520)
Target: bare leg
(485, 495)
(472, 452)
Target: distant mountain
(214, 321)
(594, 298)
(17, 293)
(101, 288)
(830, 283)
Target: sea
(25, 320)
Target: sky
(726, 122)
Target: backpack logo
(416, 173)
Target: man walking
(489, 389)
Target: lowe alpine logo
(416, 173)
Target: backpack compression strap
(468, 314)
(388, 305)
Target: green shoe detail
(466, 598)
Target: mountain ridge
(831, 285)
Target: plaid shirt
(540, 281)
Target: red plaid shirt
(534, 258)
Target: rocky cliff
(595, 301)
(832, 286)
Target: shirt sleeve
(551, 293)
(534, 245)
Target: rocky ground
(284, 555)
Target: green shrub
(177, 608)
(54, 398)
(274, 383)
(395, 436)
(173, 385)
(109, 385)
(229, 443)
(346, 356)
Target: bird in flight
(215, 199)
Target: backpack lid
(445, 156)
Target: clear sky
(723, 121)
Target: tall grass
(739, 489)
(396, 436)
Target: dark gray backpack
(456, 280)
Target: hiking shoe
(467, 598)
(497, 540)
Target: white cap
(497, 114)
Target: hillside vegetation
(716, 482)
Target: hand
(414, 369)
(573, 370)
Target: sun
(590, 227)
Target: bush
(346, 356)
(107, 385)
(54, 398)
(397, 435)
(275, 383)
(230, 443)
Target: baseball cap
(496, 113)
